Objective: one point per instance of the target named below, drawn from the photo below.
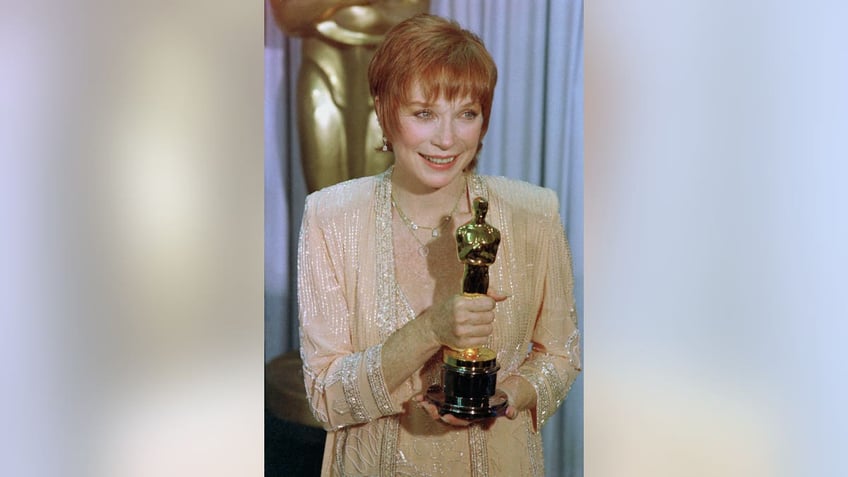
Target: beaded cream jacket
(350, 303)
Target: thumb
(496, 295)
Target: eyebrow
(427, 105)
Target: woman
(379, 281)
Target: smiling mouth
(439, 160)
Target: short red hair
(445, 60)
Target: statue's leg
(476, 279)
(323, 138)
(364, 133)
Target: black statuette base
(493, 407)
(468, 390)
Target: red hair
(445, 60)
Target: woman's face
(436, 141)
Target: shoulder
(522, 197)
(342, 198)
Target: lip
(440, 161)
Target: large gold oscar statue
(339, 132)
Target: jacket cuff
(364, 395)
(550, 388)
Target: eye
(424, 114)
(470, 114)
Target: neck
(429, 205)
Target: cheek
(472, 133)
(411, 135)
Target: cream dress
(350, 302)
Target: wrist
(520, 393)
(426, 330)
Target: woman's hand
(511, 413)
(433, 412)
(465, 321)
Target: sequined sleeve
(344, 386)
(554, 361)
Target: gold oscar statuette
(469, 376)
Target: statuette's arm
(299, 17)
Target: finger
(454, 421)
(476, 302)
(431, 411)
(496, 295)
(474, 331)
(473, 319)
(511, 412)
(466, 321)
(480, 331)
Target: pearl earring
(385, 147)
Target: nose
(445, 135)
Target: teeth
(437, 160)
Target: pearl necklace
(435, 231)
